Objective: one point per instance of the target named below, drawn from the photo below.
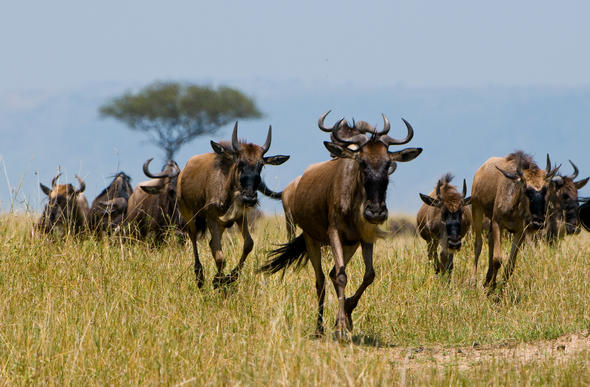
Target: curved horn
(464, 193)
(573, 177)
(325, 128)
(147, 172)
(385, 139)
(359, 139)
(234, 139)
(82, 184)
(266, 145)
(548, 167)
(54, 180)
(386, 126)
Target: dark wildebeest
(67, 207)
(444, 219)
(110, 207)
(215, 190)
(341, 202)
(562, 211)
(153, 206)
(512, 192)
(584, 214)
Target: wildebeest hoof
(223, 280)
(200, 278)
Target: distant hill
(458, 129)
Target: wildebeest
(584, 214)
(109, 208)
(512, 192)
(344, 130)
(444, 219)
(153, 207)
(215, 190)
(67, 207)
(341, 202)
(562, 211)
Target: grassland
(99, 311)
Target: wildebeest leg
(314, 253)
(246, 249)
(446, 262)
(215, 245)
(193, 234)
(351, 302)
(495, 254)
(477, 216)
(338, 277)
(517, 240)
(433, 254)
(290, 226)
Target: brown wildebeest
(345, 131)
(562, 212)
(444, 219)
(512, 192)
(109, 208)
(216, 189)
(153, 206)
(67, 207)
(341, 202)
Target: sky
(475, 79)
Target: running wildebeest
(344, 130)
(109, 208)
(215, 190)
(444, 219)
(341, 202)
(562, 212)
(153, 206)
(512, 192)
(67, 207)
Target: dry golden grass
(98, 311)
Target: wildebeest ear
(275, 160)
(581, 183)
(151, 189)
(339, 151)
(509, 175)
(404, 155)
(46, 190)
(467, 201)
(221, 150)
(430, 201)
(392, 168)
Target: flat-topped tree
(173, 114)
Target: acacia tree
(172, 113)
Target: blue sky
(64, 44)
(475, 79)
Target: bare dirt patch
(465, 357)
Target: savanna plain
(95, 311)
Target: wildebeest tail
(293, 254)
(268, 192)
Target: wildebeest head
(167, 187)
(533, 186)
(247, 160)
(451, 204)
(566, 199)
(110, 206)
(375, 162)
(62, 207)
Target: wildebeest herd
(339, 203)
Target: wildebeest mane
(525, 160)
(448, 193)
